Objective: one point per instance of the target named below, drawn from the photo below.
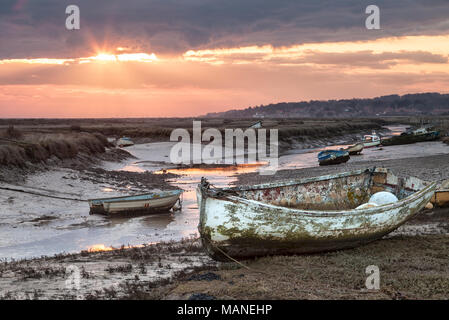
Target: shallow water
(73, 229)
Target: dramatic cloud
(36, 28)
(190, 57)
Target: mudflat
(413, 260)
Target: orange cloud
(133, 84)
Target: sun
(123, 57)
(106, 57)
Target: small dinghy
(137, 204)
(355, 149)
(124, 142)
(305, 215)
(371, 140)
(329, 157)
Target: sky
(178, 58)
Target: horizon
(225, 110)
(189, 58)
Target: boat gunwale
(287, 183)
(175, 193)
(329, 213)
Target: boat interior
(337, 192)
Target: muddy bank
(293, 133)
(137, 181)
(413, 265)
(32, 224)
(124, 273)
(13, 173)
(429, 168)
(410, 268)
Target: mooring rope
(235, 260)
(41, 194)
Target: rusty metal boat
(305, 215)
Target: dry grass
(39, 147)
(323, 129)
(12, 133)
(162, 128)
(410, 268)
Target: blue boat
(142, 203)
(328, 157)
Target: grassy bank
(410, 268)
(18, 148)
(161, 129)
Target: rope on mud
(236, 261)
(41, 194)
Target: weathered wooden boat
(305, 215)
(371, 140)
(330, 157)
(355, 149)
(124, 142)
(137, 204)
(412, 136)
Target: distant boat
(124, 142)
(329, 157)
(355, 149)
(371, 140)
(305, 215)
(140, 204)
(412, 136)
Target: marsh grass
(410, 268)
(36, 148)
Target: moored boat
(305, 215)
(137, 204)
(412, 136)
(371, 140)
(124, 142)
(330, 157)
(355, 149)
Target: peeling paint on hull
(307, 215)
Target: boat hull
(337, 160)
(243, 228)
(140, 204)
(411, 138)
(371, 144)
(355, 149)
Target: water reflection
(214, 171)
